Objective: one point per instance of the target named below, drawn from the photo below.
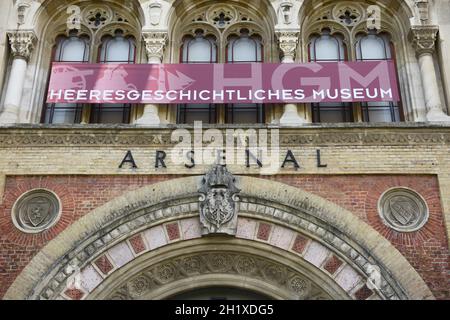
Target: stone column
(424, 39)
(22, 45)
(288, 42)
(155, 43)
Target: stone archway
(313, 248)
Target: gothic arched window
(377, 47)
(198, 49)
(117, 49)
(322, 48)
(244, 49)
(72, 49)
(327, 47)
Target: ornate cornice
(47, 137)
(424, 39)
(155, 42)
(22, 43)
(288, 42)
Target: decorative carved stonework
(97, 16)
(22, 7)
(155, 13)
(155, 42)
(288, 42)
(285, 13)
(348, 13)
(36, 211)
(222, 15)
(424, 14)
(105, 237)
(22, 43)
(153, 278)
(218, 202)
(424, 39)
(403, 210)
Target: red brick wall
(427, 249)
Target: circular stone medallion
(36, 211)
(403, 210)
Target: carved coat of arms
(38, 210)
(218, 196)
(403, 210)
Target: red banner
(373, 81)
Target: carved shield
(38, 210)
(403, 211)
(155, 13)
(219, 207)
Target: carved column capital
(288, 42)
(424, 39)
(155, 42)
(22, 43)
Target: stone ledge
(353, 125)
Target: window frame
(213, 109)
(77, 107)
(97, 110)
(346, 109)
(393, 108)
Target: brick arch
(324, 236)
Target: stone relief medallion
(36, 211)
(403, 210)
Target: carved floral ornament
(288, 42)
(205, 264)
(222, 16)
(348, 14)
(155, 43)
(424, 39)
(22, 43)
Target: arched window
(327, 47)
(73, 49)
(198, 49)
(322, 48)
(376, 47)
(117, 49)
(243, 49)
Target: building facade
(95, 203)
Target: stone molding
(103, 137)
(209, 263)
